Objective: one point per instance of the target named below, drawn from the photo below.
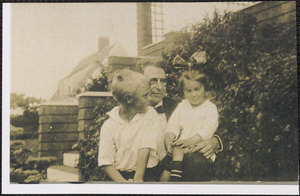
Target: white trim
(176, 175)
(174, 170)
(220, 142)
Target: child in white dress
(194, 119)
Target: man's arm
(209, 147)
(141, 164)
(219, 144)
(113, 173)
(213, 144)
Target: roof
(90, 60)
(90, 66)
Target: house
(89, 67)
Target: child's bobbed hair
(192, 75)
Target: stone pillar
(87, 103)
(57, 129)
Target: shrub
(251, 74)
(25, 176)
(98, 84)
(18, 133)
(23, 167)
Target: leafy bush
(88, 147)
(98, 84)
(18, 133)
(251, 75)
(25, 176)
(23, 167)
(29, 120)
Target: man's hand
(207, 147)
(189, 142)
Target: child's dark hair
(193, 75)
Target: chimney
(144, 26)
(103, 41)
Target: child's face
(194, 92)
(142, 98)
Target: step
(70, 159)
(62, 173)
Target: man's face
(141, 98)
(157, 79)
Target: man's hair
(126, 82)
(143, 63)
(192, 75)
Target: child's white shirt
(121, 140)
(187, 121)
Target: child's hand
(130, 180)
(183, 143)
(137, 180)
(191, 148)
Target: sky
(47, 40)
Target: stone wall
(57, 129)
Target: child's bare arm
(113, 173)
(183, 143)
(169, 139)
(141, 164)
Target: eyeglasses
(154, 81)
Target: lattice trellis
(157, 22)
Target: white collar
(198, 107)
(159, 104)
(115, 115)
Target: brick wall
(87, 103)
(57, 129)
(276, 11)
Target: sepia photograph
(111, 97)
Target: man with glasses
(165, 106)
